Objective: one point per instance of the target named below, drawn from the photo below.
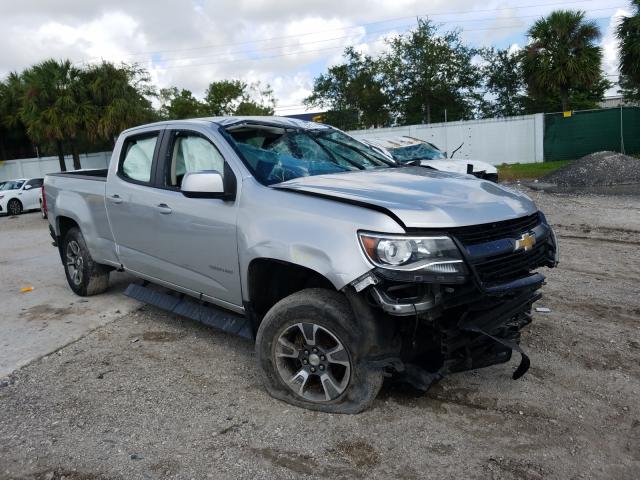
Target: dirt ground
(152, 396)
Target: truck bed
(79, 197)
(99, 174)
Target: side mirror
(28, 187)
(204, 184)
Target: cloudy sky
(189, 43)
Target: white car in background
(17, 196)
(410, 150)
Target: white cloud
(189, 43)
(610, 44)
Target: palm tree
(629, 35)
(120, 96)
(562, 55)
(11, 100)
(56, 107)
(10, 105)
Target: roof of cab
(228, 121)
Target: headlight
(398, 252)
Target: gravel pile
(597, 169)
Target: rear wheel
(308, 346)
(14, 207)
(85, 277)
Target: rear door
(31, 193)
(130, 201)
(195, 238)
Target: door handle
(116, 199)
(164, 209)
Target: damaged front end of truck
(460, 310)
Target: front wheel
(308, 346)
(85, 277)
(14, 207)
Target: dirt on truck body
(151, 395)
(343, 265)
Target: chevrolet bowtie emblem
(525, 242)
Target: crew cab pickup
(343, 266)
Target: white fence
(38, 167)
(495, 140)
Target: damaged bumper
(472, 322)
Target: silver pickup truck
(344, 267)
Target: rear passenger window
(138, 156)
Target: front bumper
(469, 322)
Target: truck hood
(419, 197)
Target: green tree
(222, 97)
(179, 104)
(11, 91)
(562, 57)
(502, 73)
(235, 97)
(257, 99)
(56, 106)
(427, 74)
(580, 98)
(121, 97)
(629, 35)
(353, 92)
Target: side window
(192, 153)
(35, 182)
(138, 156)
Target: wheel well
(64, 225)
(14, 200)
(271, 280)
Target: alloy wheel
(14, 208)
(312, 362)
(75, 262)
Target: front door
(195, 237)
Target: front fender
(315, 233)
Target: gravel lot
(153, 396)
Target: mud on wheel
(85, 277)
(308, 346)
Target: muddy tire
(85, 277)
(309, 349)
(14, 207)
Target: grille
(511, 266)
(495, 231)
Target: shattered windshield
(419, 151)
(277, 154)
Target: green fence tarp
(567, 138)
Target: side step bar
(185, 306)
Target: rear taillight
(44, 199)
